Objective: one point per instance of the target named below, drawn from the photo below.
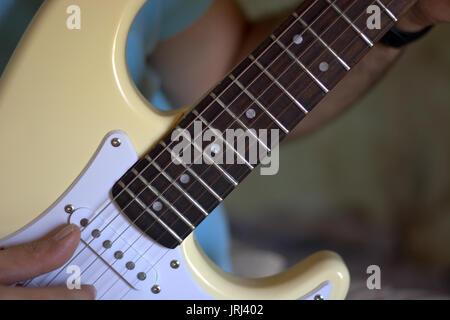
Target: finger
(32, 259)
(47, 293)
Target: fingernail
(67, 230)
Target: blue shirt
(157, 20)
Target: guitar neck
(271, 90)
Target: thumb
(29, 260)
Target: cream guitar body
(72, 123)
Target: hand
(425, 13)
(32, 259)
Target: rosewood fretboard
(273, 88)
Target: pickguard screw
(156, 289)
(141, 276)
(318, 297)
(118, 255)
(107, 244)
(116, 142)
(174, 264)
(95, 233)
(69, 209)
(84, 222)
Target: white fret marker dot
(215, 149)
(251, 113)
(157, 206)
(323, 66)
(185, 178)
(298, 39)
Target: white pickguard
(90, 197)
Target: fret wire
(388, 12)
(289, 52)
(195, 175)
(239, 121)
(310, 29)
(255, 100)
(146, 209)
(267, 73)
(116, 280)
(195, 112)
(184, 192)
(344, 16)
(162, 198)
(226, 174)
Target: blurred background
(374, 185)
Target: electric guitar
(81, 145)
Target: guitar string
(166, 148)
(261, 94)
